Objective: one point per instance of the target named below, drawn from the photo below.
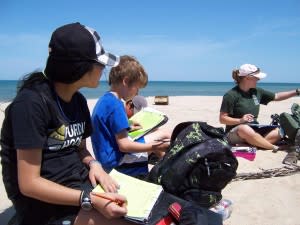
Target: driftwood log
(267, 173)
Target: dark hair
(31, 79)
(57, 71)
(130, 67)
(130, 103)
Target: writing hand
(109, 208)
(159, 141)
(247, 118)
(161, 144)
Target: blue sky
(174, 40)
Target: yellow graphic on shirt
(59, 134)
(65, 136)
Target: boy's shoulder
(108, 103)
(107, 98)
(110, 95)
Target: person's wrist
(297, 92)
(85, 200)
(92, 162)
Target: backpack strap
(296, 112)
(178, 128)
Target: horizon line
(204, 81)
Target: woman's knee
(273, 136)
(245, 131)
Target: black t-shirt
(41, 120)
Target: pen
(163, 140)
(117, 201)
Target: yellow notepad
(141, 195)
(149, 119)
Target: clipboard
(262, 129)
(149, 119)
(141, 196)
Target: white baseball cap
(251, 70)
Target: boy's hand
(135, 126)
(161, 144)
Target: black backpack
(198, 164)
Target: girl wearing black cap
(47, 170)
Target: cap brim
(109, 59)
(260, 75)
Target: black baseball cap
(76, 42)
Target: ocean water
(170, 88)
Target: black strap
(132, 165)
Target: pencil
(117, 201)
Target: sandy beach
(268, 201)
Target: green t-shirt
(238, 103)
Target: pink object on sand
(248, 153)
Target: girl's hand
(110, 209)
(98, 175)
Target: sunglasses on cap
(253, 73)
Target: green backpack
(290, 123)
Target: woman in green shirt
(240, 107)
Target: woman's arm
(279, 96)
(224, 118)
(31, 184)
(84, 153)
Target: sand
(268, 201)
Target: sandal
(291, 158)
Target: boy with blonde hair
(111, 144)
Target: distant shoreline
(154, 88)
(184, 81)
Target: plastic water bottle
(224, 207)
